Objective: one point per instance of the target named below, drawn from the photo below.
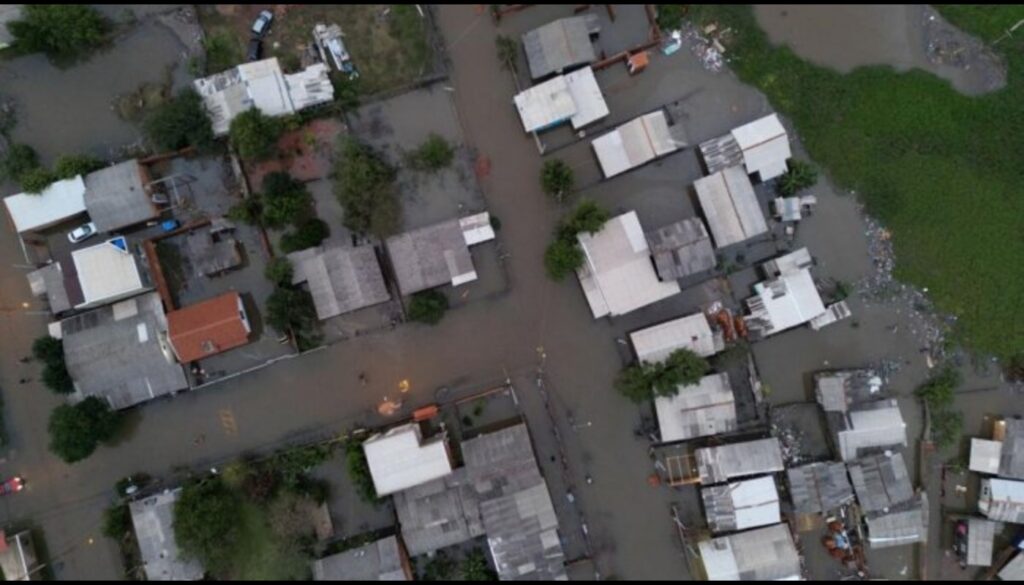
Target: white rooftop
(765, 147)
(618, 274)
(399, 459)
(574, 97)
(106, 272)
(60, 201)
(870, 428)
(692, 332)
(477, 228)
(764, 554)
(704, 409)
(635, 143)
(1002, 499)
(741, 505)
(985, 456)
(785, 302)
(153, 520)
(730, 206)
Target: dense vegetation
(643, 381)
(556, 178)
(433, 155)
(364, 185)
(50, 351)
(62, 31)
(563, 256)
(940, 169)
(428, 306)
(939, 393)
(180, 122)
(254, 134)
(76, 431)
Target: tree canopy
(433, 155)
(206, 524)
(254, 134)
(563, 255)
(556, 178)
(62, 31)
(428, 306)
(640, 382)
(284, 200)
(364, 185)
(76, 431)
(292, 310)
(180, 122)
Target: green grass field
(943, 171)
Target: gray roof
(838, 390)
(764, 554)
(1011, 456)
(213, 249)
(741, 505)
(721, 153)
(906, 524)
(730, 206)
(48, 281)
(340, 279)
(499, 493)
(8, 12)
(119, 352)
(725, 462)
(819, 487)
(153, 518)
(869, 428)
(18, 559)
(560, 45)
(681, 249)
(881, 482)
(1013, 570)
(381, 560)
(116, 197)
(981, 534)
(429, 257)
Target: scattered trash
(705, 49)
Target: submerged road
(320, 392)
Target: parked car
(262, 24)
(254, 51)
(11, 486)
(82, 232)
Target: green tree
(76, 431)
(47, 349)
(946, 426)
(50, 351)
(587, 217)
(248, 210)
(291, 310)
(117, 521)
(36, 180)
(20, 159)
(307, 233)
(254, 134)
(562, 258)
(284, 200)
(62, 31)
(475, 568)
(428, 306)
(633, 383)
(556, 178)
(670, 16)
(279, 271)
(222, 52)
(73, 165)
(440, 568)
(433, 155)
(508, 53)
(359, 472)
(206, 524)
(939, 390)
(1014, 368)
(364, 185)
(640, 382)
(180, 122)
(800, 176)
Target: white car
(262, 24)
(82, 232)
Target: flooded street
(903, 36)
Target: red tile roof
(207, 328)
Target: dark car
(254, 51)
(11, 486)
(262, 24)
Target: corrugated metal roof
(985, 456)
(981, 536)
(907, 524)
(764, 554)
(586, 95)
(431, 256)
(116, 197)
(881, 482)
(1002, 499)
(153, 518)
(730, 206)
(400, 459)
(819, 487)
(837, 391)
(574, 97)
(706, 408)
(617, 276)
(725, 462)
(61, 201)
(692, 332)
(681, 249)
(635, 143)
(340, 279)
(48, 281)
(1014, 570)
(559, 45)
(875, 425)
(381, 560)
(765, 146)
(741, 505)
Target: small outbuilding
(761, 147)
(682, 249)
(561, 45)
(401, 458)
(741, 505)
(735, 460)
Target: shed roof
(838, 390)
(692, 332)
(907, 524)
(706, 408)
(575, 97)
(381, 560)
(985, 456)
(765, 146)
(874, 425)
(116, 197)
(818, 488)
(560, 45)
(764, 554)
(310, 87)
(981, 536)
(431, 256)
(730, 206)
(119, 352)
(209, 327)
(48, 281)
(61, 201)
(725, 462)
(881, 482)
(741, 505)
(1011, 456)
(636, 143)
(340, 279)
(400, 458)
(499, 494)
(783, 303)
(617, 276)
(1002, 500)
(107, 272)
(682, 249)
(153, 518)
